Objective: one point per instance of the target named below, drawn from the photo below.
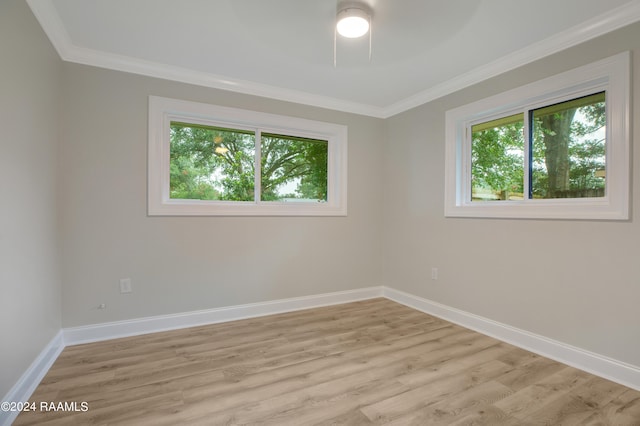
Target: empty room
(235, 212)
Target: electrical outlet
(434, 273)
(125, 285)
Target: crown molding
(200, 78)
(49, 19)
(47, 15)
(617, 18)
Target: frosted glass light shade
(352, 23)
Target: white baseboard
(29, 381)
(611, 369)
(619, 372)
(113, 330)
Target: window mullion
(257, 185)
(467, 163)
(528, 156)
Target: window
(557, 148)
(210, 160)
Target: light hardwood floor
(362, 363)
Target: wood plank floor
(364, 363)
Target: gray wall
(574, 281)
(73, 165)
(180, 264)
(30, 308)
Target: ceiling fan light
(352, 23)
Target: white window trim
(164, 110)
(611, 75)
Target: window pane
(293, 169)
(569, 143)
(211, 163)
(497, 159)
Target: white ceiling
(283, 49)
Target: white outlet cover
(125, 285)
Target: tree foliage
(497, 160)
(286, 159)
(209, 163)
(567, 153)
(569, 148)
